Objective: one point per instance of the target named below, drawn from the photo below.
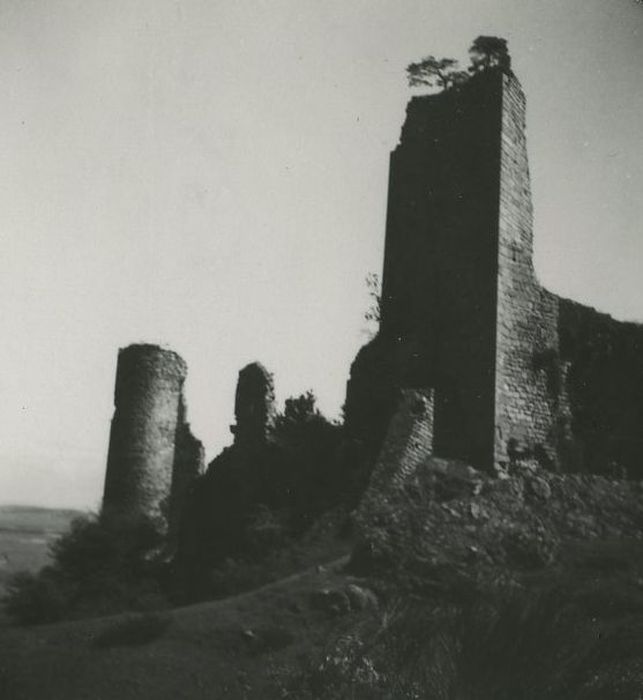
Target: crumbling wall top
(254, 407)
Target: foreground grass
(571, 632)
(232, 648)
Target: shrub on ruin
(489, 52)
(442, 73)
(485, 52)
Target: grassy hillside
(241, 647)
(571, 633)
(460, 587)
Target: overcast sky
(211, 175)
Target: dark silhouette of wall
(280, 474)
(254, 406)
(602, 368)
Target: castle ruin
(474, 360)
(516, 372)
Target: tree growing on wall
(488, 52)
(443, 73)
(374, 311)
(435, 72)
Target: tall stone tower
(152, 455)
(462, 312)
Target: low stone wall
(408, 441)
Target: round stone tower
(148, 410)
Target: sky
(211, 175)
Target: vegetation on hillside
(250, 514)
(256, 516)
(102, 565)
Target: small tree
(298, 410)
(487, 52)
(435, 72)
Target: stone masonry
(519, 374)
(409, 440)
(152, 455)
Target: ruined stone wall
(602, 361)
(254, 406)
(371, 395)
(439, 280)
(527, 317)
(147, 417)
(409, 440)
(519, 375)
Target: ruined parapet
(254, 407)
(147, 418)
(409, 440)
(601, 369)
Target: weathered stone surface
(361, 598)
(143, 465)
(408, 441)
(342, 600)
(538, 488)
(331, 601)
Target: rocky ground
(450, 518)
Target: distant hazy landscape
(25, 535)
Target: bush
(37, 598)
(266, 530)
(103, 565)
(311, 443)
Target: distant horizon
(214, 179)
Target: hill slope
(462, 587)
